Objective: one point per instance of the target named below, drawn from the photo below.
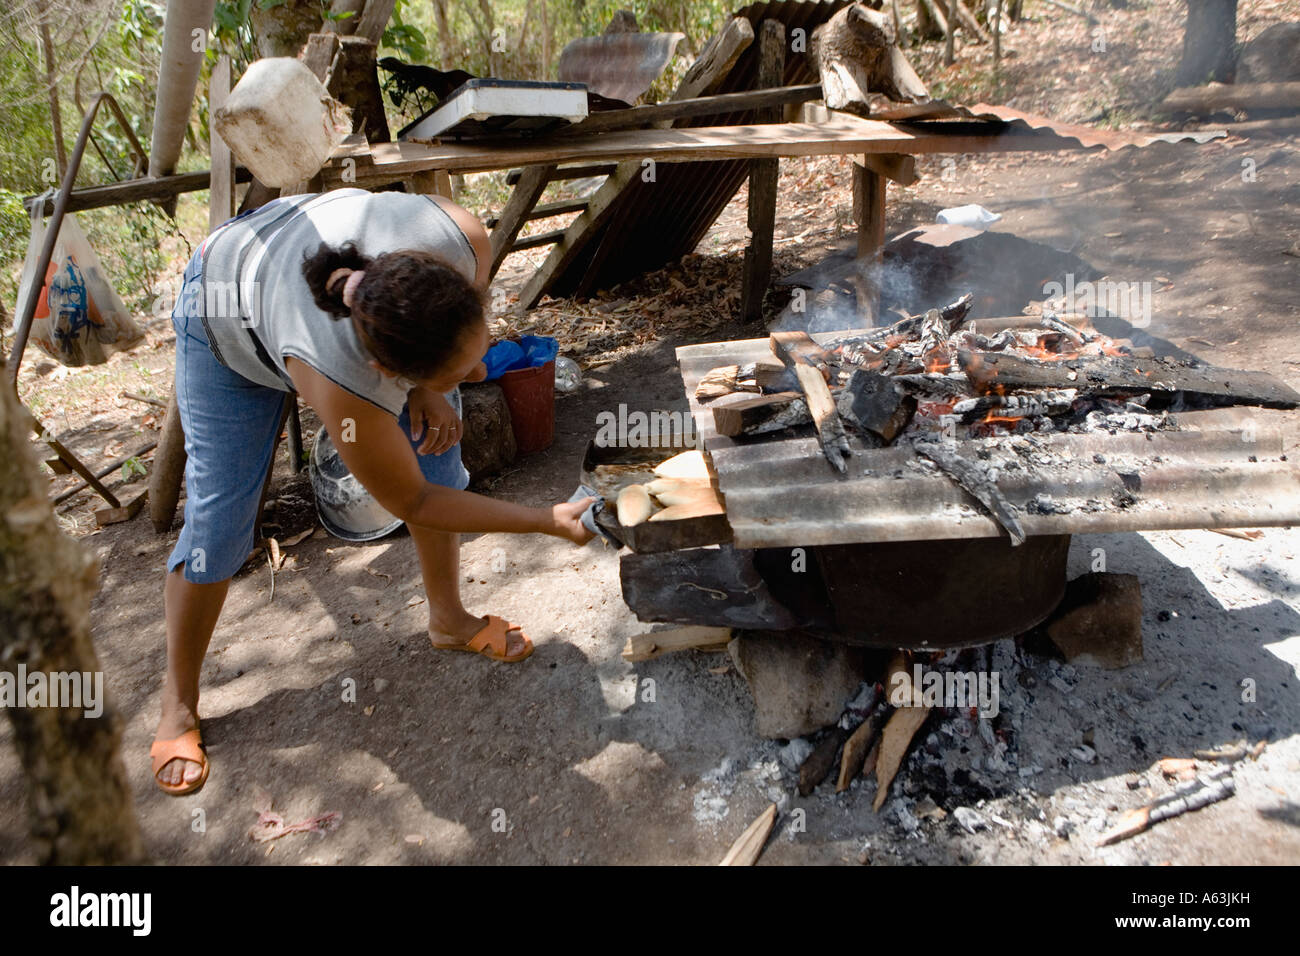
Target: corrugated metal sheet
(650, 230)
(620, 66)
(782, 492)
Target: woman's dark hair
(411, 308)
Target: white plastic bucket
(280, 122)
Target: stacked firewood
(935, 381)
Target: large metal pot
(345, 508)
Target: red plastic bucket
(530, 394)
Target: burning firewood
(1118, 374)
(1194, 795)
(975, 480)
(819, 763)
(799, 352)
(1047, 402)
(749, 845)
(756, 377)
(872, 405)
(857, 747)
(758, 414)
(899, 730)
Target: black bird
(410, 78)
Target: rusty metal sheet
(1089, 136)
(621, 66)
(782, 492)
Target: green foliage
(133, 467)
(406, 40)
(14, 229)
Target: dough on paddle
(633, 505)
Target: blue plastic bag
(529, 351)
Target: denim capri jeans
(231, 425)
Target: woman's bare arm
(381, 458)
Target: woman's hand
(432, 415)
(568, 521)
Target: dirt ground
(451, 758)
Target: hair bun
(321, 268)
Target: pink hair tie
(350, 288)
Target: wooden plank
(737, 416)
(133, 190)
(716, 60)
(318, 55)
(126, 512)
(844, 136)
(763, 177)
(749, 845)
(645, 647)
(990, 371)
(545, 210)
(1235, 96)
(869, 211)
(561, 173)
(541, 239)
(430, 182)
(221, 197)
(529, 189)
(717, 105)
(896, 167)
(374, 19)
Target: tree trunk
(927, 28)
(77, 789)
(949, 54)
(283, 29)
(444, 33)
(51, 80)
(1209, 43)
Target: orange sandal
(491, 642)
(188, 746)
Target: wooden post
(997, 32)
(949, 53)
(221, 195)
(763, 176)
(430, 182)
(532, 183)
(869, 211)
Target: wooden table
(881, 150)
